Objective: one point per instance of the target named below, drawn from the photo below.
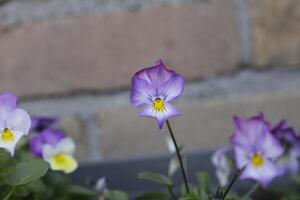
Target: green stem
(237, 174)
(172, 193)
(179, 157)
(251, 191)
(9, 193)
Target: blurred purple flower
(222, 165)
(48, 136)
(14, 122)
(101, 184)
(288, 162)
(41, 123)
(153, 88)
(256, 149)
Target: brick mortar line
(243, 83)
(245, 27)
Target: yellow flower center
(158, 105)
(7, 136)
(63, 162)
(60, 159)
(257, 160)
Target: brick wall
(74, 59)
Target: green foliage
(24, 177)
(27, 172)
(203, 181)
(153, 196)
(158, 178)
(78, 190)
(115, 195)
(296, 178)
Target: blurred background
(74, 59)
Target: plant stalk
(237, 174)
(251, 191)
(172, 193)
(179, 157)
(9, 193)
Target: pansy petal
(219, 159)
(241, 156)
(248, 132)
(222, 177)
(66, 146)
(48, 152)
(36, 145)
(141, 92)
(52, 136)
(172, 88)
(19, 120)
(11, 145)
(41, 123)
(161, 116)
(8, 102)
(48, 136)
(63, 162)
(270, 146)
(264, 174)
(159, 74)
(222, 166)
(155, 75)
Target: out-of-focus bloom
(60, 156)
(54, 147)
(288, 162)
(48, 136)
(174, 164)
(222, 165)
(170, 145)
(153, 88)
(41, 123)
(256, 149)
(14, 122)
(101, 184)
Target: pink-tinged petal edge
(155, 75)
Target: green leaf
(158, 178)
(116, 195)
(78, 190)
(204, 181)
(5, 158)
(296, 178)
(27, 172)
(56, 179)
(37, 187)
(153, 196)
(190, 196)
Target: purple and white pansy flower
(14, 122)
(55, 148)
(153, 89)
(47, 136)
(256, 149)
